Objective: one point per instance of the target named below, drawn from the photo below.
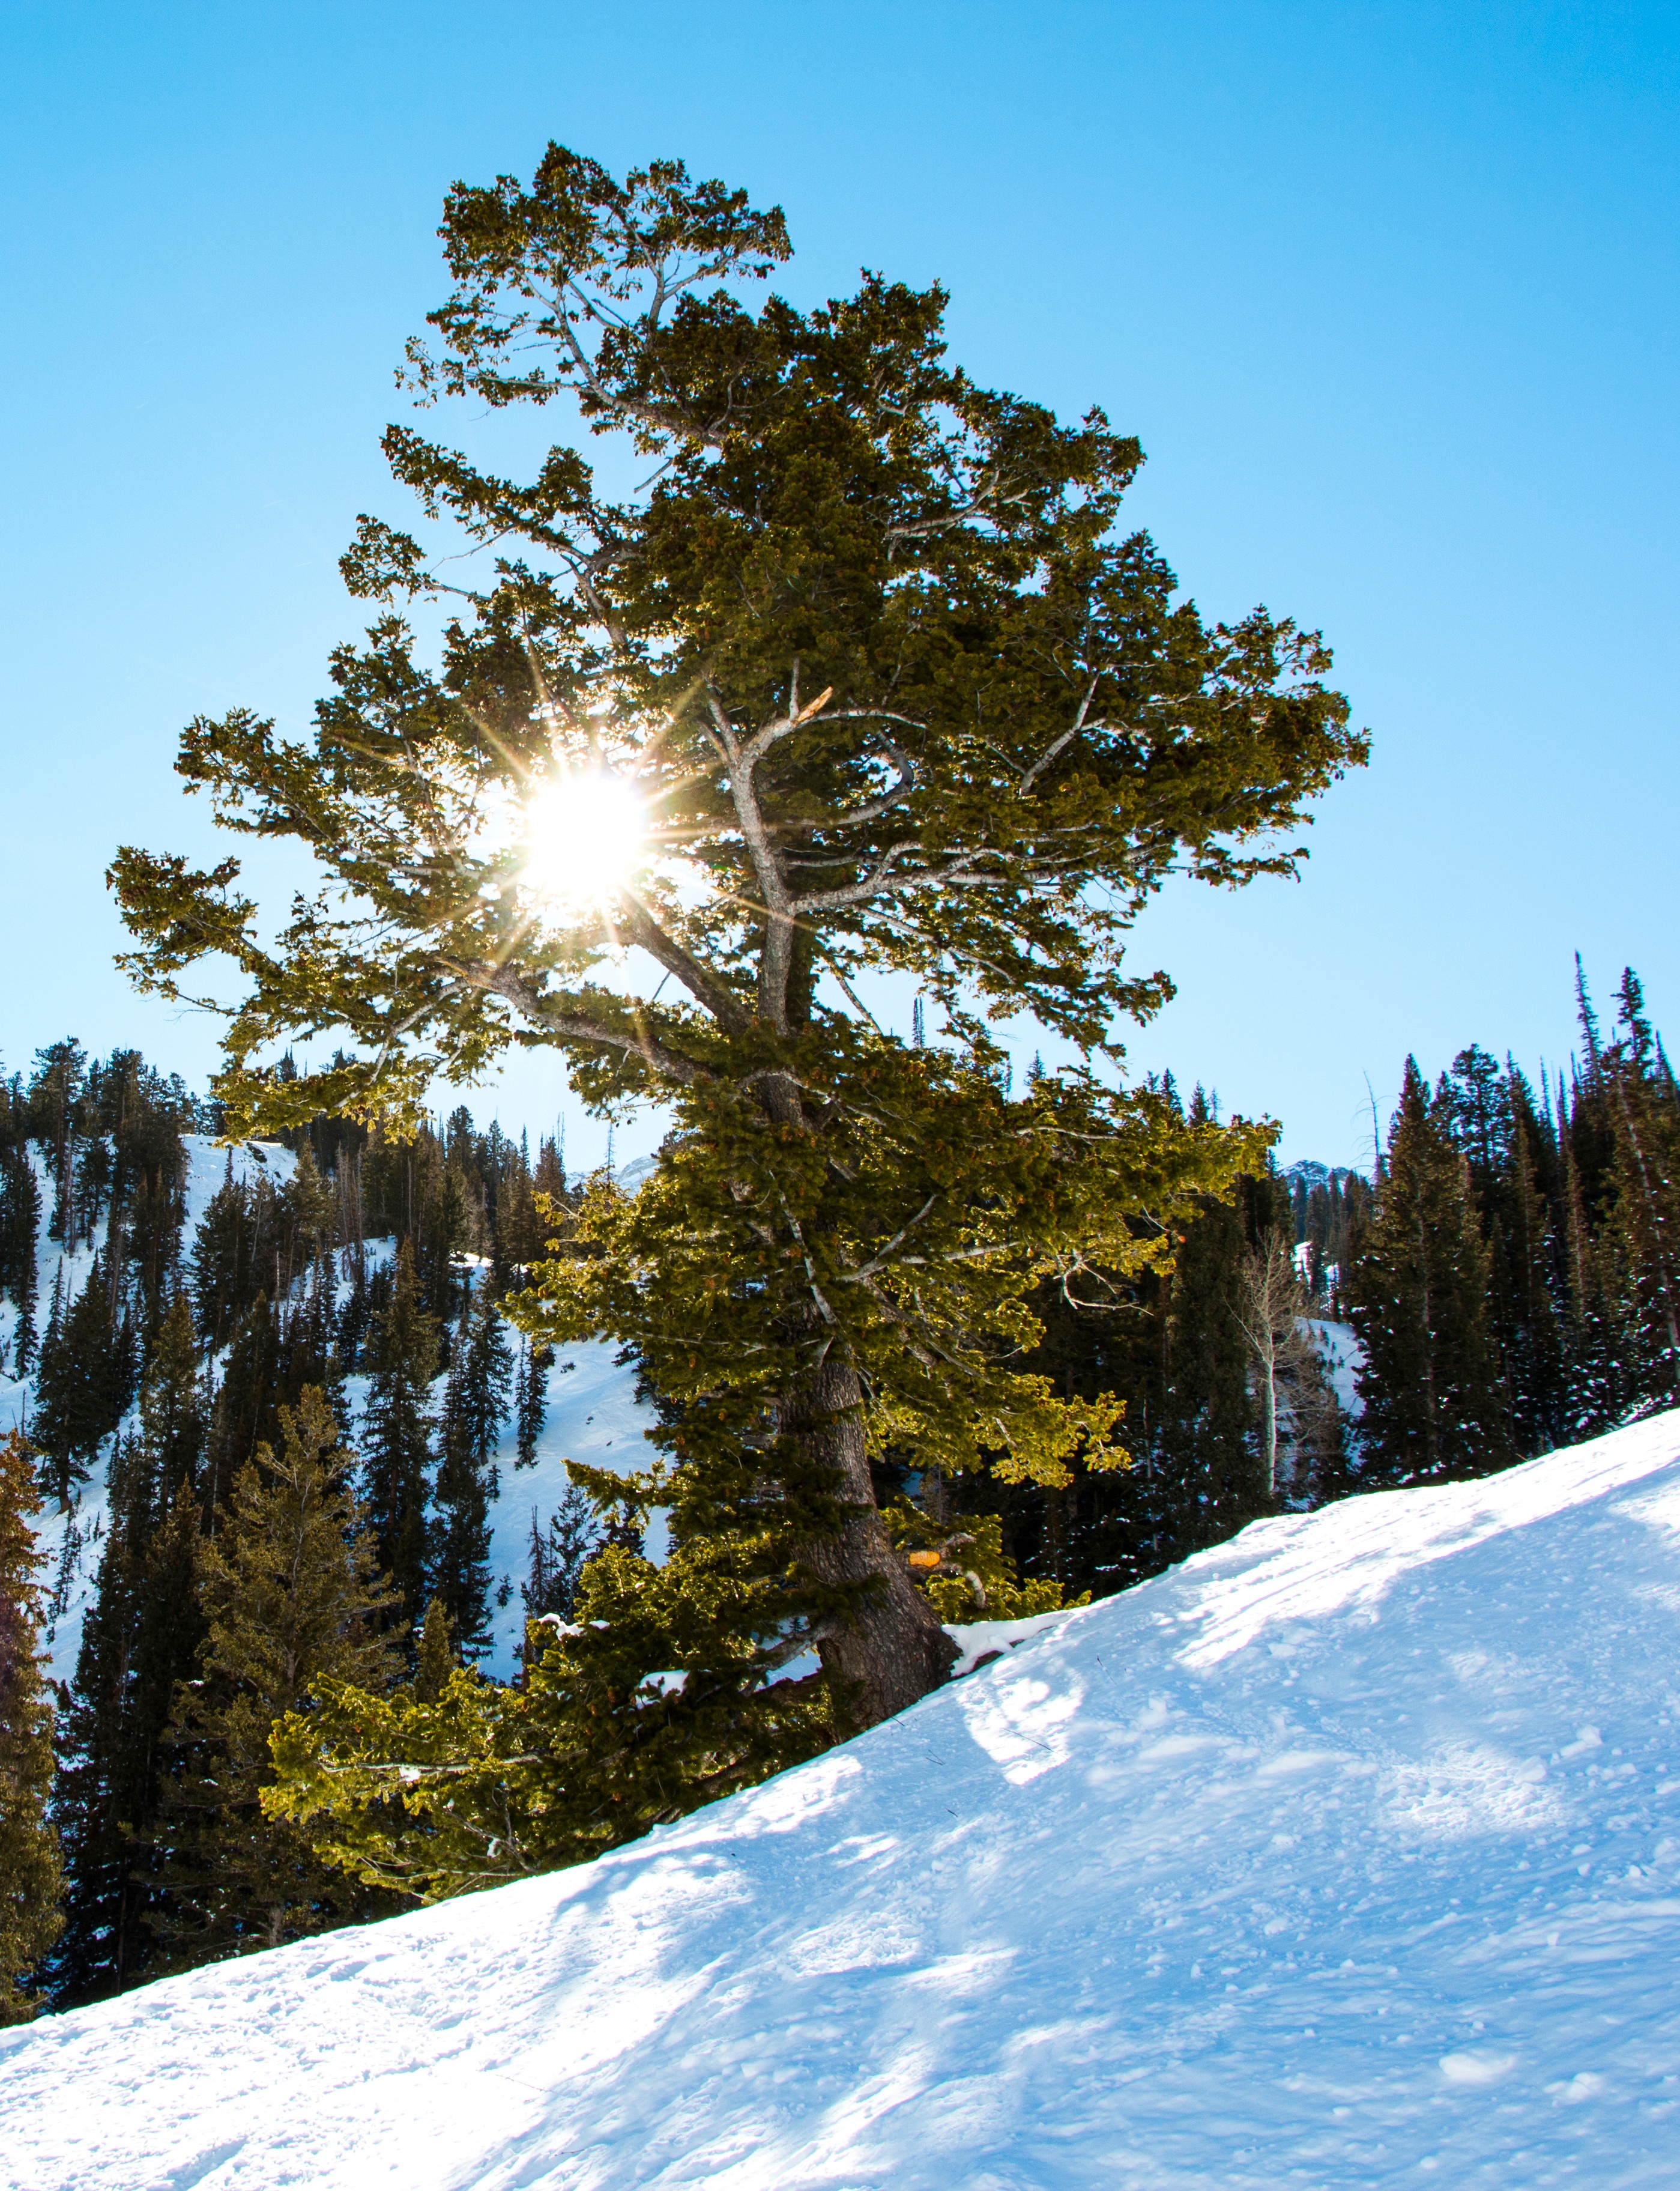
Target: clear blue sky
(1387, 292)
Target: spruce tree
(83, 1385)
(872, 674)
(536, 1361)
(396, 1442)
(1432, 1406)
(139, 1640)
(434, 1660)
(30, 1872)
(292, 1600)
(172, 1425)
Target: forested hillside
(229, 1358)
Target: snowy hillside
(1347, 1854)
(593, 1415)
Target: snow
(1343, 1359)
(1347, 1853)
(208, 1166)
(593, 1415)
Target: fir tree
(292, 1602)
(433, 1661)
(19, 1227)
(172, 1425)
(139, 1640)
(83, 1385)
(536, 1361)
(396, 1447)
(476, 1397)
(31, 1873)
(1429, 1383)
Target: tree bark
(893, 1650)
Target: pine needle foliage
(888, 686)
(293, 1600)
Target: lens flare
(583, 837)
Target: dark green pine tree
(172, 1425)
(20, 1229)
(537, 1359)
(30, 1873)
(139, 1639)
(1433, 1408)
(83, 1384)
(434, 1660)
(1645, 1125)
(291, 1598)
(243, 1416)
(396, 1442)
(1211, 1477)
(478, 1396)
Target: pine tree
(433, 1661)
(1432, 1406)
(1212, 1470)
(843, 1231)
(83, 1385)
(172, 1425)
(536, 1361)
(139, 1640)
(243, 1416)
(30, 1872)
(476, 1397)
(292, 1600)
(19, 1227)
(397, 1424)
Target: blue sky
(1387, 292)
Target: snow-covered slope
(1346, 1854)
(593, 1415)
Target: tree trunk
(893, 1650)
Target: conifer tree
(83, 1385)
(433, 1661)
(1432, 1406)
(396, 1446)
(30, 1873)
(243, 1416)
(172, 1404)
(139, 1640)
(291, 1600)
(476, 1397)
(536, 1361)
(19, 1228)
(769, 667)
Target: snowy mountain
(593, 1415)
(1347, 1853)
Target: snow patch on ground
(1347, 1853)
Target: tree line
(1512, 1273)
(244, 1550)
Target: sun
(583, 837)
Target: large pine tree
(871, 674)
(1433, 1407)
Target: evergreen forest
(256, 1445)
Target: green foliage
(434, 1661)
(630, 1718)
(292, 1601)
(397, 1435)
(1434, 1408)
(964, 1572)
(30, 1874)
(891, 688)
